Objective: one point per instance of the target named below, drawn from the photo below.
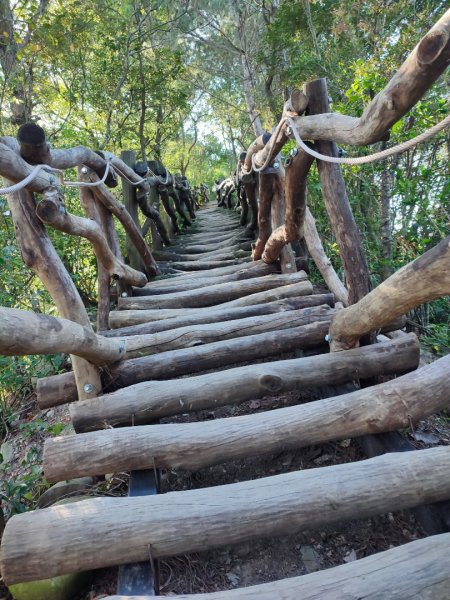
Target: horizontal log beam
(423, 280)
(416, 570)
(83, 535)
(195, 335)
(147, 402)
(146, 321)
(23, 332)
(385, 407)
(303, 288)
(214, 294)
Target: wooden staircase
(238, 319)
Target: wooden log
(213, 294)
(52, 211)
(176, 285)
(287, 256)
(250, 192)
(268, 186)
(421, 69)
(149, 322)
(423, 280)
(131, 206)
(39, 254)
(205, 256)
(411, 571)
(23, 332)
(303, 288)
(201, 265)
(111, 203)
(343, 224)
(82, 535)
(165, 201)
(191, 446)
(321, 260)
(297, 168)
(60, 389)
(195, 335)
(147, 402)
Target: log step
(385, 407)
(102, 532)
(214, 294)
(146, 402)
(418, 570)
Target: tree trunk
(79, 536)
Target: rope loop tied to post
(360, 160)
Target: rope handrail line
(359, 160)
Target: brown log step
(133, 322)
(146, 402)
(418, 570)
(385, 407)
(215, 294)
(102, 532)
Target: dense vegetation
(189, 82)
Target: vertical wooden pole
(130, 202)
(336, 202)
(287, 256)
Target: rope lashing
(36, 170)
(272, 143)
(360, 160)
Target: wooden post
(343, 224)
(130, 201)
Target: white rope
(28, 179)
(359, 160)
(88, 183)
(158, 178)
(269, 152)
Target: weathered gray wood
(147, 402)
(415, 571)
(303, 288)
(84, 535)
(214, 294)
(131, 205)
(195, 335)
(23, 332)
(149, 322)
(423, 280)
(178, 284)
(384, 407)
(39, 254)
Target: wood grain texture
(149, 401)
(415, 571)
(385, 407)
(101, 532)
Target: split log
(297, 168)
(343, 224)
(192, 446)
(213, 294)
(150, 401)
(23, 332)
(303, 288)
(423, 280)
(39, 254)
(111, 203)
(321, 260)
(81, 536)
(411, 571)
(143, 321)
(52, 211)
